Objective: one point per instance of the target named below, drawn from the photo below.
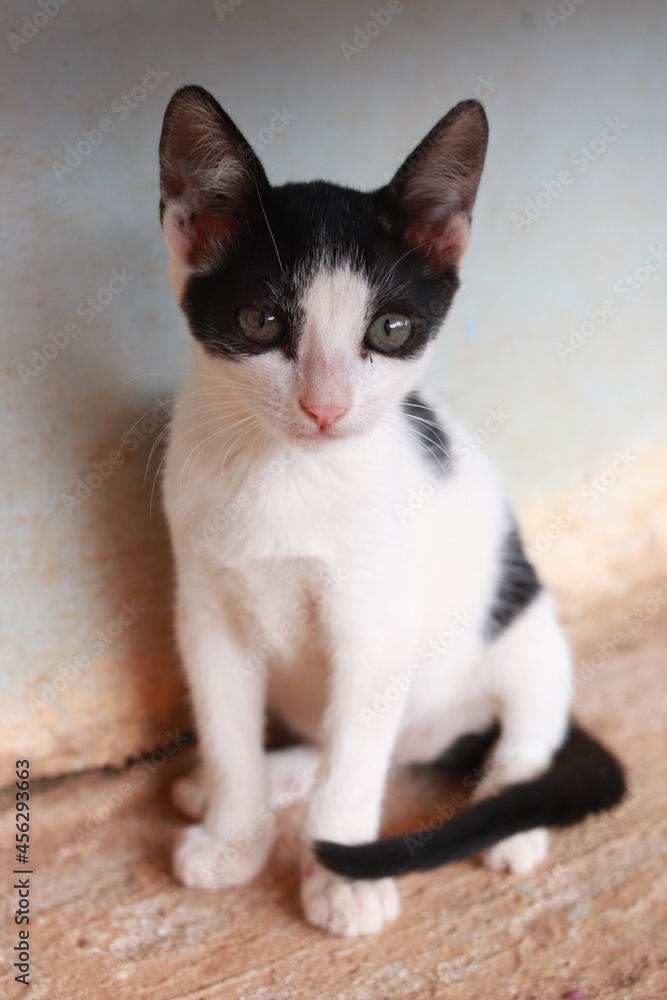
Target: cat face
(316, 304)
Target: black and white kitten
(303, 588)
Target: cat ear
(210, 178)
(435, 188)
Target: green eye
(261, 324)
(389, 332)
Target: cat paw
(519, 854)
(202, 862)
(189, 794)
(347, 907)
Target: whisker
(198, 409)
(202, 444)
(268, 226)
(217, 378)
(172, 444)
(233, 444)
(421, 441)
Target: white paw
(202, 862)
(346, 907)
(520, 853)
(189, 794)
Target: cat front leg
(230, 845)
(291, 773)
(346, 803)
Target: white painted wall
(550, 89)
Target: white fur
(317, 593)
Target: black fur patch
(468, 752)
(430, 435)
(301, 228)
(517, 586)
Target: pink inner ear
(441, 244)
(190, 236)
(176, 233)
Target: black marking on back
(517, 586)
(428, 432)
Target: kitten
(303, 587)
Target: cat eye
(389, 332)
(261, 324)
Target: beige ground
(110, 921)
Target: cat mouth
(319, 434)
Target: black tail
(584, 778)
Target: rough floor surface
(109, 921)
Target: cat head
(314, 303)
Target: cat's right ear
(435, 189)
(210, 179)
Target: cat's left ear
(434, 191)
(210, 180)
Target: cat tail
(583, 778)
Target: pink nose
(323, 414)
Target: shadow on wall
(120, 688)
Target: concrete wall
(83, 383)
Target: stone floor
(109, 920)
